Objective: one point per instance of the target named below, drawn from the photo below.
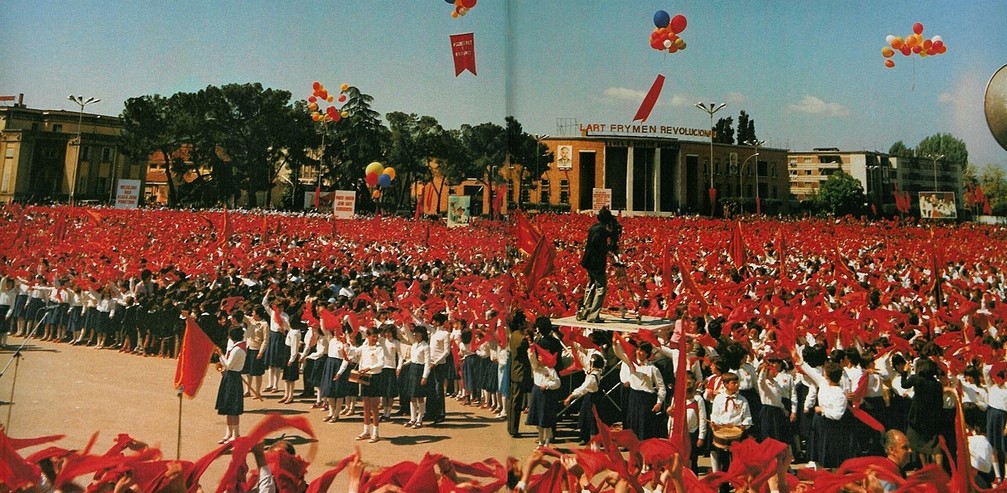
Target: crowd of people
(813, 341)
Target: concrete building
(43, 156)
(879, 174)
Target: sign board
(564, 157)
(343, 204)
(938, 205)
(458, 210)
(601, 197)
(127, 195)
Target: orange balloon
(887, 52)
(315, 117)
(344, 87)
(329, 99)
(927, 45)
(897, 43)
(313, 106)
(889, 63)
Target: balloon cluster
(377, 175)
(912, 44)
(666, 32)
(462, 7)
(321, 96)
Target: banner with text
(601, 197)
(343, 204)
(127, 195)
(463, 49)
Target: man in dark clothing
(520, 372)
(602, 238)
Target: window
(564, 191)
(716, 167)
(772, 170)
(85, 153)
(544, 192)
(106, 154)
(57, 127)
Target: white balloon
(667, 43)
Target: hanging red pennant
(463, 49)
(650, 99)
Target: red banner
(648, 102)
(463, 48)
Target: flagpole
(178, 443)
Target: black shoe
(598, 320)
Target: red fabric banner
(650, 99)
(540, 264)
(463, 49)
(526, 235)
(193, 359)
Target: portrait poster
(938, 205)
(564, 157)
(458, 210)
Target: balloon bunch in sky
(912, 44)
(665, 36)
(378, 176)
(320, 97)
(462, 7)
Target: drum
(724, 436)
(361, 378)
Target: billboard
(601, 197)
(127, 194)
(938, 205)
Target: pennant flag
(193, 359)
(680, 429)
(463, 49)
(650, 99)
(317, 201)
(526, 235)
(540, 264)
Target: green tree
(841, 194)
(357, 140)
(525, 152)
(994, 185)
(414, 142)
(723, 131)
(148, 127)
(746, 128)
(953, 149)
(899, 149)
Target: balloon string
(913, 88)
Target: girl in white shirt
(418, 379)
(372, 362)
(230, 395)
(392, 348)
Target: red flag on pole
(318, 195)
(193, 359)
(737, 247)
(540, 264)
(463, 49)
(526, 235)
(650, 99)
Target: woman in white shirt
(646, 392)
(230, 395)
(8, 294)
(256, 328)
(418, 376)
(372, 362)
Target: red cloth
(193, 359)
(647, 105)
(540, 264)
(526, 235)
(463, 49)
(737, 247)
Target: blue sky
(809, 73)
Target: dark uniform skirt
(344, 387)
(4, 324)
(291, 370)
(470, 371)
(639, 414)
(315, 378)
(230, 395)
(73, 318)
(405, 390)
(276, 351)
(774, 423)
(586, 423)
(488, 375)
(377, 386)
(391, 383)
(833, 440)
(996, 421)
(414, 379)
(253, 365)
(18, 310)
(328, 386)
(34, 309)
(543, 407)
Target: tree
(526, 152)
(899, 149)
(841, 194)
(357, 140)
(723, 131)
(148, 127)
(746, 128)
(994, 185)
(953, 149)
(414, 142)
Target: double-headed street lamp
(935, 159)
(80, 120)
(711, 109)
(755, 143)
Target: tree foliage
(994, 184)
(954, 150)
(723, 131)
(746, 128)
(899, 149)
(841, 194)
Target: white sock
(996, 468)
(374, 431)
(413, 409)
(366, 430)
(423, 410)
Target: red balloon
(312, 99)
(678, 23)
(918, 28)
(917, 49)
(889, 63)
(372, 179)
(315, 85)
(906, 50)
(468, 3)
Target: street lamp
(935, 159)
(711, 109)
(755, 143)
(80, 120)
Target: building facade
(49, 155)
(652, 174)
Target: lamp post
(756, 143)
(80, 120)
(711, 109)
(935, 159)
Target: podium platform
(616, 323)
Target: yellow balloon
(390, 172)
(330, 98)
(345, 114)
(375, 167)
(344, 87)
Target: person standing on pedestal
(602, 238)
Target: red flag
(498, 200)
(95, 216)
(540, 264)
(544, 356)
(60, 227)
(737, 247)
(526, 235)
(419, 209)
(650, 99)
(680, 429)
(15, 471)
(713, 200)
(318, 195)
(463, 49)
(690, 283)
(193, 359)
(226, 230)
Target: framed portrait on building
(564, 157)
(938, 205)
(458, 210)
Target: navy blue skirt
(291, 370)
(328, 386)
(640, 416)
(20, 301)
(391, 383)
(4, 323)
(414, 379)
(543, 407)
(277, 351)
(488, 375)
(230, 395)
(377, 386)
(345, 388)
(470, 371)
(254, 366)
(774, 423)
(317, 368)
(996, 420)
(73, 318)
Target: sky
(810, 74)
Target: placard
(938, 205)
(127, 195)
(601, 197)
(344, 203)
